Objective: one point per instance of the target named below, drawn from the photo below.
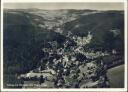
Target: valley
(62, 48)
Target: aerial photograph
(63, 45)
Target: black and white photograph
(63, 45)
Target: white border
(51, 1)
(75, 1)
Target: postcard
(64, 45)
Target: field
(116, 77)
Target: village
(69, 67)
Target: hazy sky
(50, 6)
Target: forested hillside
(39, 38)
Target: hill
(40, 38)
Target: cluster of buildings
(74, 68)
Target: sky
(54, 6)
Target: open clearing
(116, 76)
